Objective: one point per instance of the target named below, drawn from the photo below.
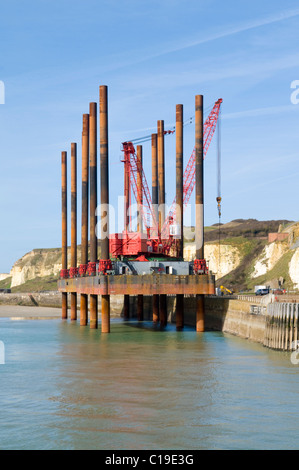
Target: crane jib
(134, 170)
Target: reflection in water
(136, 384)
(69, 387)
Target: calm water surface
(67, 387)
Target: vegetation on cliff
(240, 244)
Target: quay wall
(41, 299)
(242, 318)
(222, 314)
(52, 299)
(273, 324)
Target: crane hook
(218, 199)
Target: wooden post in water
(270, 315)
(275, 328)
(288, 332)
(291, 316)
(271, 327)
(296, 308)
(278, 326)
(282, 330)
(266, 335)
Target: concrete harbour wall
(274, 325)
(222, 314)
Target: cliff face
(247, 258)
(280, 258)
(37, 263)
(269, 257)
(242, 262)
(42, 263)
(294, 268)
(221, 259)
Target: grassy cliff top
(248, 236)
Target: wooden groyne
(281, 329)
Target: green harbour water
(68, 387)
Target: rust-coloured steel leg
(64, 305)
(64, 226)
(104, 163)
(200, 313)
(179, 312)
(83, 309)
(73, 306)
(163, 310)
(105, 313)
(93, 311)
(84, 216)
(140, 307)
(126, 307)
(155, 308)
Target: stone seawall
(229, 315)
(235, 317)
(53, 299)
(41, 299)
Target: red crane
(133, 243)
(189, 174)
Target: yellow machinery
(224, 290)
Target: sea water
(63, 386)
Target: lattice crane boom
(135, 170)
(189, 173)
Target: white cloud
(261, 111)
(230, 31)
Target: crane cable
(190, 120)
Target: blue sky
(152, 55)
